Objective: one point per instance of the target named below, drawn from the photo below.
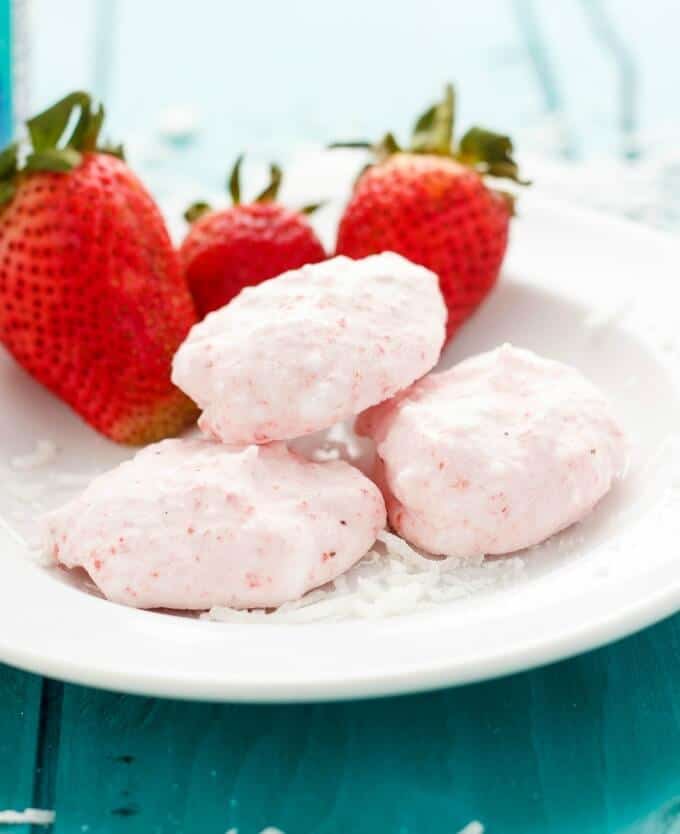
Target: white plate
(595, 292)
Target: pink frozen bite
(190, 524)
(312, 347)
(496, 454)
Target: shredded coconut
(71, 479)
(473, 827)
(324, 454)
(338, 443)
(394, 578)
(268, 830)
(25, 492)
(44, 452)
(345, 438)
(32, 816)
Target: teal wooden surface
(20, 696)
(590, 745)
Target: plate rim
(652, 610)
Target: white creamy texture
(312, 347)
(191, 524)
(494, 455)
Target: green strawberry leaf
(9, 161)
(387, 146)
(197, 210)
(113, 150)
(423, 125)
(86, 131)
(433, 132)
(271, 191)
(53, 159)
(51, 148)
(7, 191)
(362, 144)
(47, 128)
(310, 208)
(482, 150)
(491, 152)
(234, 184)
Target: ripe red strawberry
(92, 300)
(431, 204)
(245, 244)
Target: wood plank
(589, 744)
(19, 716)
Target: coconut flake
(32, 816)
(25, 492)
(347, 440)
(44, 452)
(324, 454)
(71, 479)
(268, 830)
(392, 579)
(473, 827)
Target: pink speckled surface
(313, 347)
(190, 524)
(496, 454)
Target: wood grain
(588, 745)
(19, 717)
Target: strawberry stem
(53, 159)
(196, 211)
(271, 191)
(386, 147)
(433, 132)
(490, 153)
(234, 183)
(360, 143)
(483, 150)
(86, 131)
(7, 191)
(50, 149)
(9, 161)
(310, 208)
(46, 130)
(269, 194)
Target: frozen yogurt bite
(191, 524)
(494, 455)
(312, 347)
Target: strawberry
(245, 244)
(92, 299)
(430, 203)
